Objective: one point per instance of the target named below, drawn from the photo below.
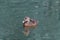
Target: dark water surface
(47, 12)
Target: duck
(28, 23)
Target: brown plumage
(29, 23)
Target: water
(47, 12)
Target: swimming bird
(28, 23)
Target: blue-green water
(47, 12)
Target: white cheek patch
(23, 21)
